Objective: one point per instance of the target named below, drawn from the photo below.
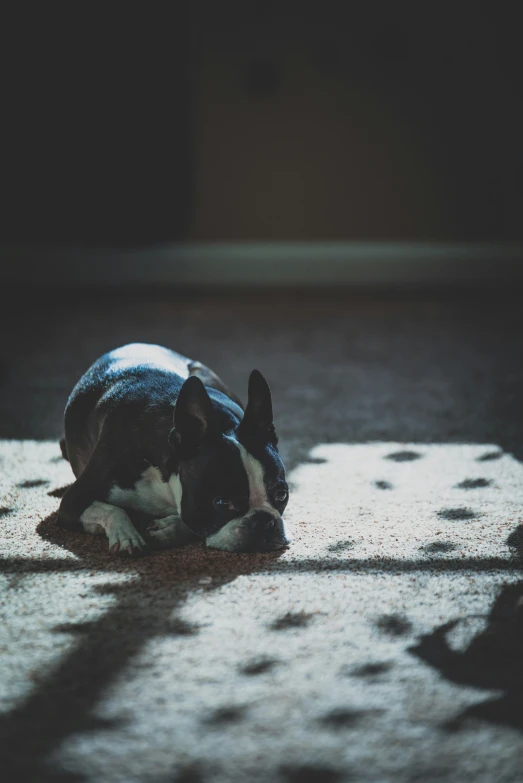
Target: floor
(384, 645)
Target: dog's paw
(170, 532)
(126, 541)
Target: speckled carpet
(384, 645)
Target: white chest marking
(150, 494)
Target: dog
(151, 433)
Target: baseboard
(265, 263)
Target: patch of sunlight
(404, 501)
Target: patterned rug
(384, 645)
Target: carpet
(384, 645)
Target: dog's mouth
(272, 546)
(258, 531)
(246, 547)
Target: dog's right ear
(257, 422)
(194, 417)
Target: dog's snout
(261, 521)
(263, 530)
(260, 530)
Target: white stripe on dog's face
(255, 476)
(254, 469)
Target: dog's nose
(260, 521)
(264, 531)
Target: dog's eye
(224, 505)
(281, 495)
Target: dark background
(137, 126)
(127, 125)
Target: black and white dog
(148, 430)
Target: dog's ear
(258, 420)
(194, 417)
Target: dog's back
(132, 383)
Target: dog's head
(232, 478)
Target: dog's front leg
(170, 532)
(80, 511)
(123, 536)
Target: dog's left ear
(258, 420)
